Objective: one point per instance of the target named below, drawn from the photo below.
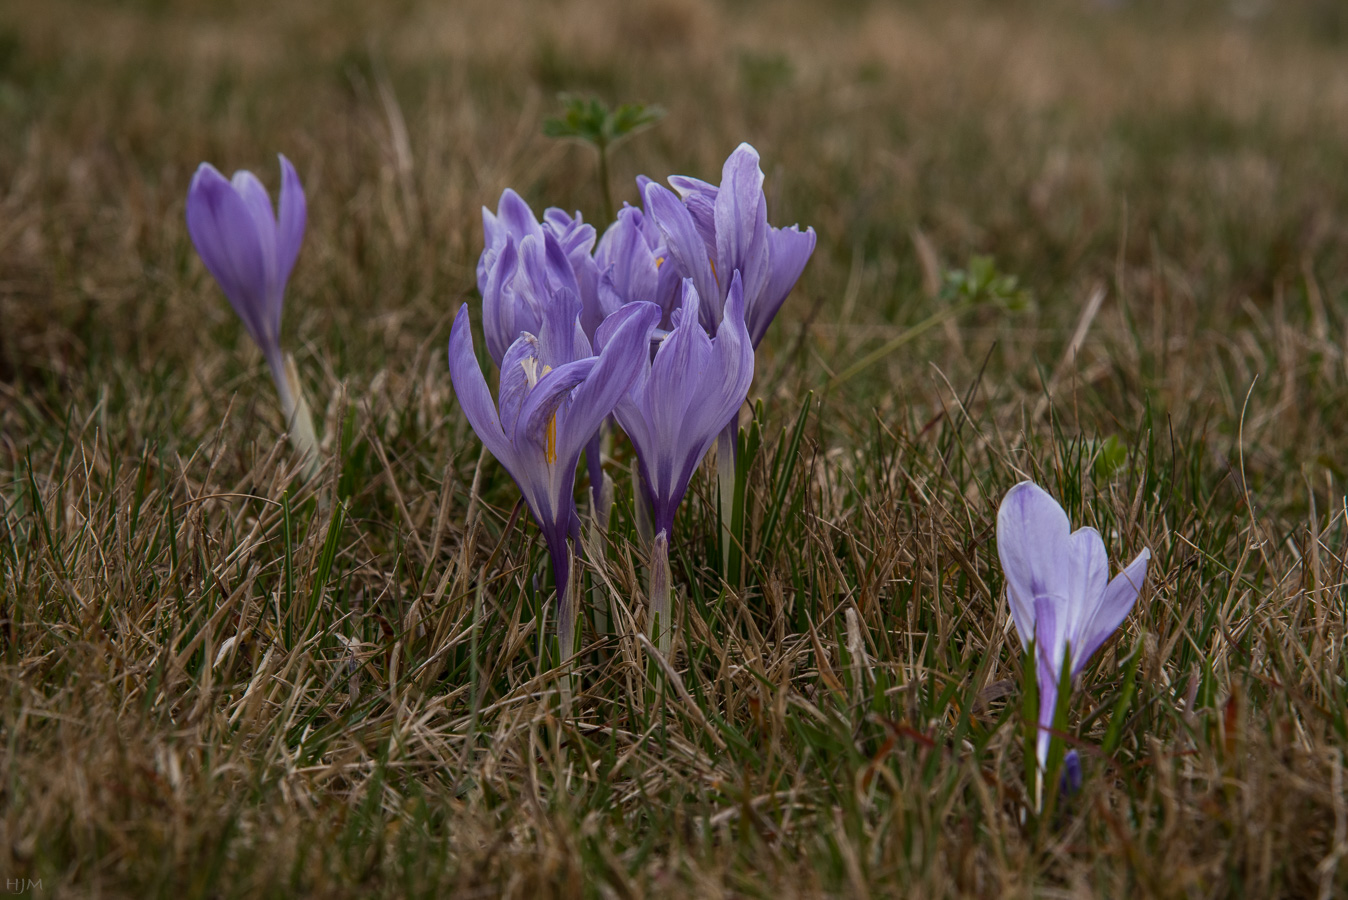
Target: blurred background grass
(1186, 158)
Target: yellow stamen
(659, 261)
(715, 277)
(550, 452)
(530, 365)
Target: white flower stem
(566, 629)
(295, 409)
(661, 608)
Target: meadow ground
(220, 680)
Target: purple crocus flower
(683, 397)
(524, 263)
(250, 251)
(715, 230)
(1058, 587)
(679, 403)
(630, 260)
(554, 394)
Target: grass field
(218, 679)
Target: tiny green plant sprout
(590, 121)
(1062, 601)
(251, 250)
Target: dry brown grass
(196, 703)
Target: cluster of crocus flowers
(662, 315)
(251, 250)
(1062, 600)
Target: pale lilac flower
(630, 260)
(683, 397)
(679, 403)
(712, 231)
(554, 394)
(1058, 587)
(250, 251)
(524, 263)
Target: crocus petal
(255, 198)
(677, 383)
(520, 360)
(560, 273)
(694, 387)
(627, 345)
(516, 216)
(532, 279)
(610, 299)
(668, 290)
(685, 246)
(789, 249)
(1088, 573)
(687, 186)
(513, 221)
(292, 218)
(648, 226)
(1046, 676)
(1032, 541)
(493, 235)
(592, 311)
(700, 198)
(560, 337)
(258, 203)
(742, 221)
(1070, 782)
(575, 236)
(222, 229)
(1050, 634)
(552, 390)
(734, 363)
(470, 386)
(1115, 603)
(626, 259)
(499, 305)
(724, 378)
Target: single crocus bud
(250, 251)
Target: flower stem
(602, 147)
(601, 502)
(295, 409)
(566, 608)
(725, 477)
(661, 609)
(567, 601)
